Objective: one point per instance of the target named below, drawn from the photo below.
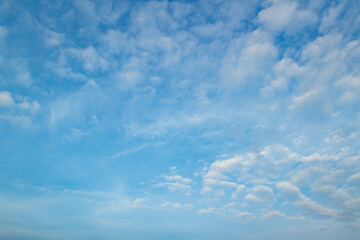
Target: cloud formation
(255, 102)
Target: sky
(197, 120)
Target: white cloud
(175, 206)
(216, 176)
(312, 207)
(161, 50)
(215, 182)
(322, 158)
(292, 192)
(125, 152)
(128, 79)
(130, 74)
(284, 71)
(307, 175)
(348, 97)
(105, 12)
(92, 60)
(286, 16)
(218, 168)
(289, 190)
(72, 107)
(341, 135)
(164, 124)
(110, 11)
(22, 75)
(52, 38)
(329, 18)
(33, 107)
(19, 112)
(139, 202)
(233, 171)
(349, 81)
(239, 189)
(302, 218)
(17, 120)
(6, 99)
(260, 194)
(206, 211)
(251, 197)
(180, 10)
(244, 214)
(115, 41)
(176, 183)
(273, 214)
(89, 58)
(248, 60)
(354, 178)
(210, 30)
(301, 180)
(235, 12)
(247, 215)
(24, 78)
(321, 46)
(66, 72)
(305, 99)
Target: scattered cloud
(257, 101)
(176, 183)
(6, 99)
(286, 16)
(52, 38)
(273, 214)
(354, 178)
(205, 211)
(139, 202)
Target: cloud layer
(176, 119)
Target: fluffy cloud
(218, 173)
(278, 166)
(139, 202)
(292, 193)
(354, 178)
(176, 183)
(260, 194)
(52, 38)
(274, 83)
(6, 99)
(114, 41)
(284, 72)
(18, 112)
(287, 16)
(272, 214)
(106, 12)
(92, 60)
(248, 59)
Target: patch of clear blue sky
(179, 119)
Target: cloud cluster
(176, 183)
(19, 111)
(277, 174)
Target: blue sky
(179, 119)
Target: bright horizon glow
(209, 119)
